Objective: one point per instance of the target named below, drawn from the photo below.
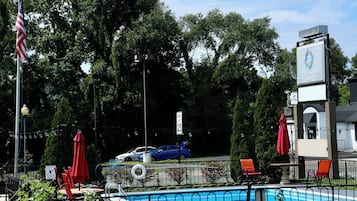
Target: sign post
(314, 85)
(179, 132)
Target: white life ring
(138, 171)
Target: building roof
(347, 112)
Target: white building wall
(352, 134)
(346, 136)
(321, 125)
(291, 131)
(345, 132)
(343, 138)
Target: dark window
(311, 132)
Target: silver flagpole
(17, 116)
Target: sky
(288, 17)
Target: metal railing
(347, 171)
(200, 174)
(173, 174)
(11, 187)
(249, 193)
(208, 173)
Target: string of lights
(31, 135)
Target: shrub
(34, 189)
(214, 171)
(177, 174)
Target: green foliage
(37, 190)
(105, 35)
(58, 149)
(242, 137)
(93, 158)
(354, 65)
(285, 73)
(91, 196)
(233, 46)
(7, 70)
(50, 154)
(344, 92)
(266, 122)
(339, 70)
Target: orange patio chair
(248, 170)
(323, 170)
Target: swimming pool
(240, 193)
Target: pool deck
(3, 197)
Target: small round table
(285, 171)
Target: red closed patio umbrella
(283, 144)
(80, 170)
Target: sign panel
(179, 126)
(50, 172)
(312, 93)
(311, 64)
(313, 31)
(312, 148)
(294, 98)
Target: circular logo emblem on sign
(309, 59)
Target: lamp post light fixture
(25, 112)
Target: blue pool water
(239, 194)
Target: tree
(266, 122)
(7, 77)
(339, 70)
(242, 137)
(354, 65)
(59, 142)
(222, 37)
(284, 72)
(344, 92)
(63, 35)
(230, 50)
(153, 39)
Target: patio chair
(58, 179)
(68, 172)
(323, 170)
(248, 171)
(67, 186)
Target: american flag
(21, 33)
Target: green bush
(37, 190)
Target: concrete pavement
(3, 197)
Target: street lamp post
(146, 155)
(145, 106)
(95, 113)
(25, 113)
